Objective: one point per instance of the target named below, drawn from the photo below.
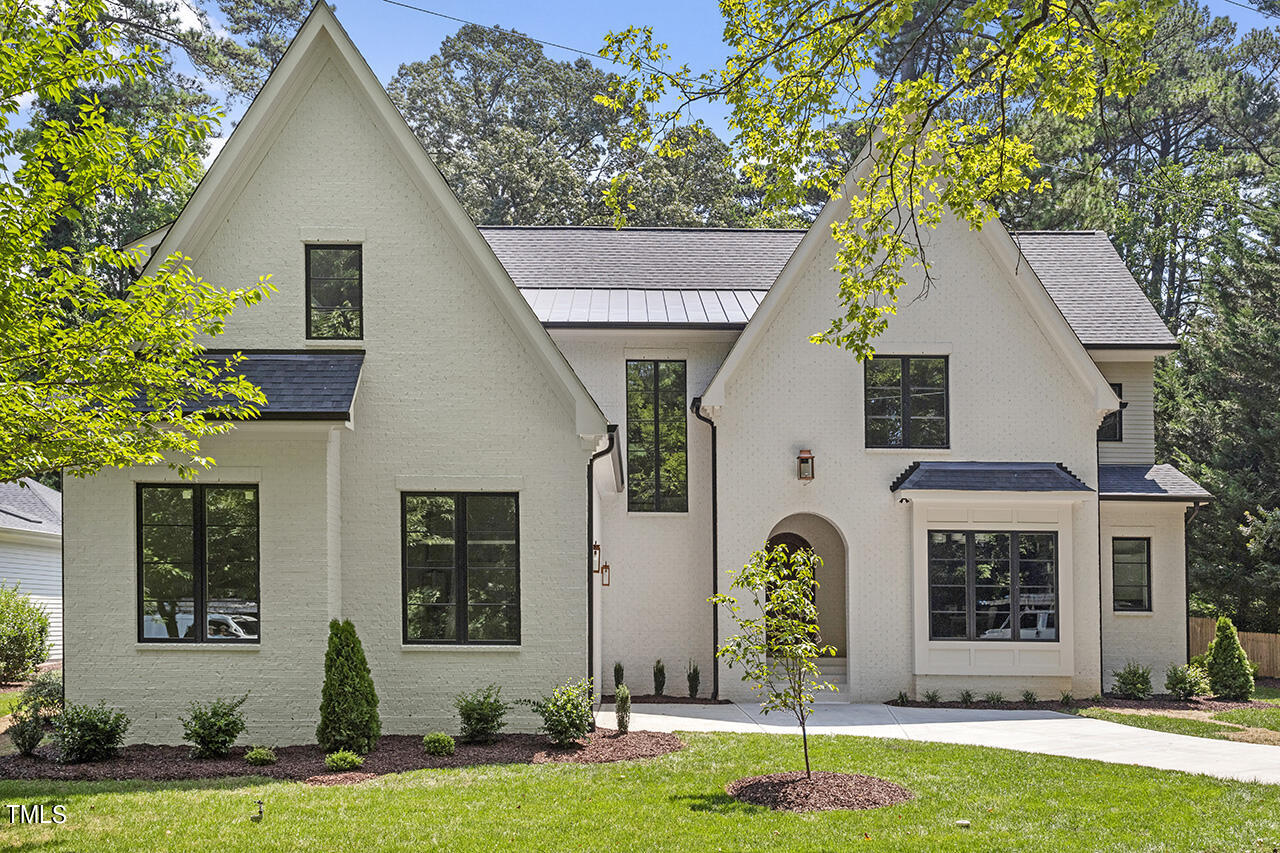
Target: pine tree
(1230, 676)
(348, 704)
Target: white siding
(1139, 420)
(35, 567)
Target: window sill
(459, 647)
(907, 449)
(334, 343)
(199, 647)
(634, 514)
(1133, 613)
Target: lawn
(1014, 801)
(1259, 718)
(1161, 722)
(1267, 694)
(9, 701)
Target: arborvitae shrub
(659, 677)
(622, 708)
(694, 677)
(348, 703)
(1230, 675)
(617, 674)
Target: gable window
(993, 586)
(198, 562)
(335, 292)
(906, 401)
(1131, 573)
(657, 432)
(1112, 426)
(461, 564)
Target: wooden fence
(1262, 649)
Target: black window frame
(1015, 616)
(359, 249)
(199, 567)
(905, 391)
(1115, 418)
(459, 568)
(1147, 566)
(657, 506)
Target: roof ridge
(637, 228)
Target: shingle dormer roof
(1148, 482)
(303, 385)
(988, 477)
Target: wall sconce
(604, 574)
(804, 466)
(595, 558)
(601, 569)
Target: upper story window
(657, 435)
(1112, 427)
(993, 585)
(1131, 573)
(906, 401)
(335, 307)
(198, 564)
(461, 568)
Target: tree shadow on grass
(716, 803)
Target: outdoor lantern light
(805, 467)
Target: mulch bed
(1160, 702)
(656, 699)
(395, 754)
(826, 791)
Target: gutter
(696, 408)
(591, 538)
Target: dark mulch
(395, 754)
(1160, 702)
(826, 791)
(656, 699)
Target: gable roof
(322, 39)
(30, 507)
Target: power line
(1263, 12)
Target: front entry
(810, 531)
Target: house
(458, 417)
(31, 549)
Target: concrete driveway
(1027, 731)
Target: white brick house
(437, 459)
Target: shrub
(24, 634)
(348, 703)
(88, 733)
(903, 698)
(44, 694)
(26, 731)
(694, 677)
(993, 698)
(213, 728)
(566, 713)
(260, 756)
(1133, 681)
(343, 759)
(1030, 697)
(966, 698)
(1230, 675)
(482, 713)
(932, 697)
(438, 743)
(1183, 682)
(617, 675)
(1066, 698)
(622, 708)
(659, 677)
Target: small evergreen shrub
(438, 743)
(1030, 697)
(26, 731)
(24, 634)
(44, 694)
(932, 697)
(343, 759)
(88, 732)
(966, 698)
(622, 708)
(1067, 699)
(659, 677)
(993, 698)
(1133, 681)
(903, 698)
(482, 713)
(212, 728)
(348, 703)
(693, 677)
(1230, 675)
(260, 756)
(1183, 682)
(566, 713)
(617, 675)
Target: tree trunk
(804, 737)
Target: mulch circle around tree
(395, 754)
(826, 791)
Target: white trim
(330, 234)
(30, 537)
(458, 483)
(1130, 355)
(216, 474)
(198, 647)
(460, 647)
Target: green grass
(1159, 722)
(1015, 801)
(1267, 694)
(1258, 718)
(9, 701)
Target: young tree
(778, 642)
(799, 71)
(90, 376)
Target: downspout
(591, 541)
(1188, 517)
(715, 551)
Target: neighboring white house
(31, 549)
(437, 463)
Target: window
(198, 564)
(335, 293)
(906, 401)
(1131, 573)
(461, 557)
(1112, 426)
(657, 427)
(993, 586)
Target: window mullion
(970, 587)
(657, 446)
(1015, 593)
(460, 564)
(199, 604)
(905, 384)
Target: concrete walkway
(1027, 731)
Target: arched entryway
(806, 530)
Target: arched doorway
(805, 530)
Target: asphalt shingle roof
(30, 506)
(989, 477)
(303, 385)
(1148, 482)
